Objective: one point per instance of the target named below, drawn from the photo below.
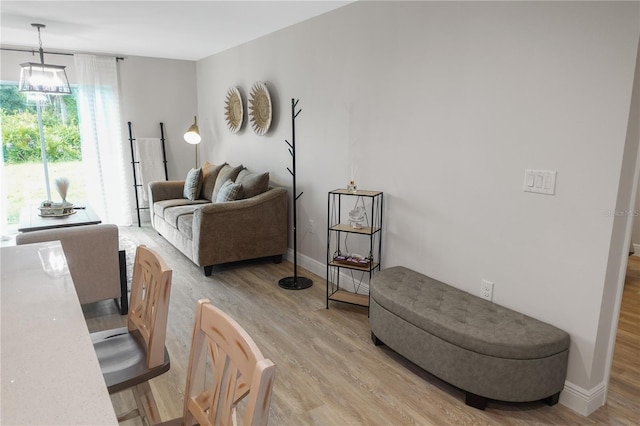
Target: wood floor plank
(328, 370)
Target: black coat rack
(295, 282)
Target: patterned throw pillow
(228, 192)
(192, 184)
(227, 172)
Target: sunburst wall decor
(260, 108)
(233, 109)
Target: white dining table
(49, 371)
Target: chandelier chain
(39, 38)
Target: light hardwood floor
(328, 371)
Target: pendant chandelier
(41, 78)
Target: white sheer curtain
(102, 144)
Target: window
(23, 176)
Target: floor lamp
(193, 137)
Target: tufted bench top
(463, 319)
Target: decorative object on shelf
(357, 216)
(260, 113)
(295, 282)
(193, 136)
(353, 260)
(352, 187)
(233, 110)
(62, 185)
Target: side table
(30, 219)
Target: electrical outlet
(311, 230)
(486, 290)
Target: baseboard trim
(636, 249)
(308, 263)
(581, 400)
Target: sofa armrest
(242, 229)
(165, 190)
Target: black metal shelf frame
(335, 229)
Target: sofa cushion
(227, 172)
(193, 184)
(159, 207)
(252, 183)
(209, 174)
(228, 192)
(185, 225)
(172, 214)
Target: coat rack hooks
(295, 282)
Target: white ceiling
(188, 30)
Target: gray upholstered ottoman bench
(487, 350)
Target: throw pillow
(228, 191)
(252, 183)
(209, 175)
(192, 184)
(227, 172)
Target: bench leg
(277, 258)
(553, 399)
(375, 340)
(208, 270)
(475, 401)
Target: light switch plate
(540, 181)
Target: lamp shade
(193, 133)
(41, 78)
(44, 78)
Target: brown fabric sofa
(211, 232)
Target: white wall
(152, 91)
(442, 105)
(159, 90)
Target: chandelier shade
(43, 78)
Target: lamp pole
(192, 136)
